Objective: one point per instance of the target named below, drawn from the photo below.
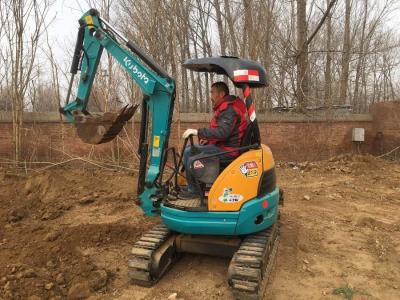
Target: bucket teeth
(102, 129)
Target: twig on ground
(57, 164)
(391, 151)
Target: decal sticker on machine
(246, 75)
(156, 152)
(229, 197)
(198, 164)
(249, 169)
(135, 70)
(89, 21)
(156, 141)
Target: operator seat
(251, 136)
(212, 166)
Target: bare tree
(344, 75)
(23, 22)
(328, 64)
(305, 66)
(302, 55)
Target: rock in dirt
(51, 215)
(50, 264)
(306, 197)
(78, 291)
(173, 296)
(98, 279)
(303, 165)
(28, 187)
(51, 236)
(86, 200)
(16, 215)
(28, 273)
(60, 279)
(49, 286)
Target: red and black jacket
(228, 124)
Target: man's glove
(189, 132)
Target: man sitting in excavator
(225, 133)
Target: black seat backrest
(251, 135)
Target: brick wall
(291, 137)
(386, 126)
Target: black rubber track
(252, 264)
(141, 257)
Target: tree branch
(321, 22)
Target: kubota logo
(134, 68)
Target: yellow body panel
(238, 183)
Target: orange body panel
(238, 183)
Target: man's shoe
(186, 195)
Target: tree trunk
(328, 64)
(302, 55)
(220, 27)
(231, 26)
(344, 75)
(267, 103)
(360, 62)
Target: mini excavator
(237, 213)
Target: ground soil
(66, 233)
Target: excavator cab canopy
(241, 71)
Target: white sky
(67, 14)
(64, 27)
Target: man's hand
(189, 132)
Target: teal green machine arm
(95, 34)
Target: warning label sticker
(249, 169)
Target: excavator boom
(158, 88)
(95, 35)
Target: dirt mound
(43, 246)
(66, 234)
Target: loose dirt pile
(67, 234)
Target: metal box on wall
(358, 135)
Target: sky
(64, 27)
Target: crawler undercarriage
(252, 260)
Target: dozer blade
(104, 128)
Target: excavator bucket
(102, 129)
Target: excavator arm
(94, 36)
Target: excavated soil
(66, 234)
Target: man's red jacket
(228, 124)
